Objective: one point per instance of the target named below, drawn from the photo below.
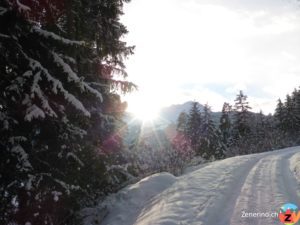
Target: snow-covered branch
(48, 34)
(22, 7)
(22, 157)
(4, 36)
(73, 156)
(57, 85)
(2, 11)
(72, 76)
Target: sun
(144, 113)
(143, 109)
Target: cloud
(213, 48)
(276, 6)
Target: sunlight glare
(144, 113)
(143, 108)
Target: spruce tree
(290, 118)
(297, 108)
(279, 115)
(194, 127)
(58, 107)
(225, 123)
(241, 124)
(182, 122)
(242, 115)
(181, 143)
(210, 139)
(259, 133)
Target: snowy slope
(215, 194)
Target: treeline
(239, 130)
(287, 115)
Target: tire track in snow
(217, 193)
(288, 182)
(197, 196)
(230, 197)
(269, 185)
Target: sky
(208, 50)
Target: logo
(289, 214)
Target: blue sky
(206, 50)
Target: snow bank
(196, 194)
(196, 164)
(226, 187)
(125, 206)
(295, 166)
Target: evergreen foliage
(193, 127)
(210, 141)
(225, 123)
(182, 122)
(61, 133)
(240, 130)
(197, 132)
(58, 107)
(288, 120)
(242, 116)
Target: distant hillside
(163, 127)
(167, 115)
(172, 112)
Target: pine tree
(58, 107)
(279, 115)
(182, 122)
(181, 142)
(225, 123)
(194, 127)
(259, 133)
(295, 111)
(271, 134)
(241, 109)
(210, 140)
(297, 115)
(290, 118)
(297, 107)
(241, 125)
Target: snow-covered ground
(218, 193)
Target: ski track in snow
(219, 192)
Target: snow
(22, 7)
(127, 203)
(67, 69)
(17, 139)
(67, 187)
(295, 166)
(217, 193)
(23, 163)
(54, 36)
(56, 195)
(68, 58)
(2, 11)
(73, 76)
(28, 184)
(73, 156)
(5, 125)
(195, 164)
(4, 35)
(35, 65)
(45, 103)
(34, 112)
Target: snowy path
(219, 193)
